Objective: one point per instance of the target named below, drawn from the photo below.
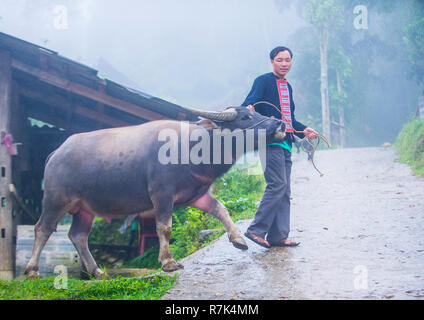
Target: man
(272, 218)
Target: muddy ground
(361, 228)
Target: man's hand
(310, 133)
(250, 107)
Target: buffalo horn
(226, 115)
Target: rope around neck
(306, 139)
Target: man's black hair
(276, 50)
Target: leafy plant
(105, 232)
(410, 145)
(149, 260)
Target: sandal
(258, 240)
(285, 243)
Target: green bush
(410, 145)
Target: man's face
(282, 63)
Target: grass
(117, 289)
(410, 145)
(148, 260)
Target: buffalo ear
(207, 124)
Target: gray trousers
(272, 218)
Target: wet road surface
(361, 228)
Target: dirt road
(361, 228)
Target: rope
(314, 147)
(240, 130)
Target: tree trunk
(341, 112)
(325, 101)
(420, 111)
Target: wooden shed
(65, 97)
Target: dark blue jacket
(265, 89)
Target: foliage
(324, 13)
(116, 289)
(186, 230)
(238, 189)
(149, 260)
(414, 39)
(410, 145)
(105, 232)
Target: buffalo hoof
(172, 266)
(33, 274)
(239, 243)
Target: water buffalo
(117, 172)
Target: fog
(188, 52)
(206, 54)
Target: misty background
(206, 54)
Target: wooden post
(20, 163)
(6, 221)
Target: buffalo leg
(79, 232)
(50, 217)
(212, 206)
(163, 213)
(163, 229)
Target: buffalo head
(242, 118)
